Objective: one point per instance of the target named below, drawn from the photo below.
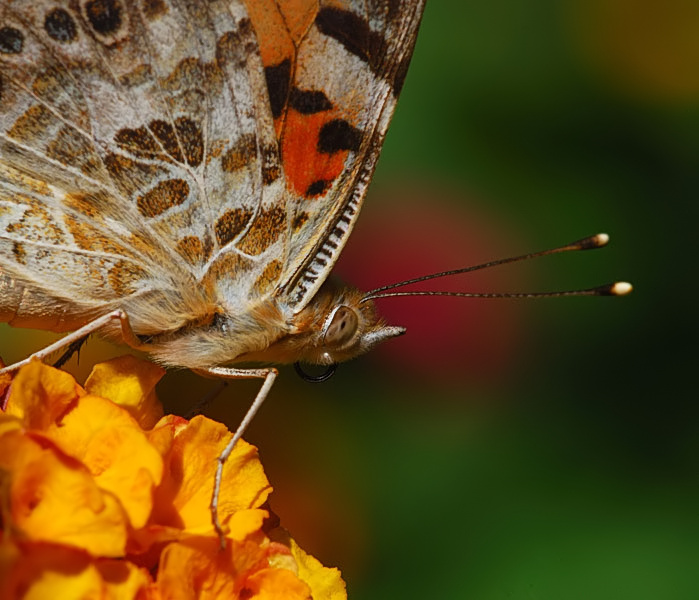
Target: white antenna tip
(621, 288)
(601, 239)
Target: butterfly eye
(342, 326)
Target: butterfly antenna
(619, 288)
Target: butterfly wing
(180, 158)
(334, 70)
(135, 147)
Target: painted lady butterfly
(182, 175)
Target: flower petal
(110, 443)
(40, 394)
(53, 498)
(129, 382)
(37, 570)
(191, 466)
(325, 582)
(276, 584)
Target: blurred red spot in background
(414, 230)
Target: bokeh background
(511, 449)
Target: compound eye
(342, 328)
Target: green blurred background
(511, 450)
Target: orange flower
(102, 497)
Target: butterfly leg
(127, 334)
(269, 375)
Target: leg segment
(128, 337)
(269, 375)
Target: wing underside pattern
(176, 158)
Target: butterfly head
(338, 324)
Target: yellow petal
(53, 498)
(129, 382)
(325, 582)
(110, 443)
(40, 395)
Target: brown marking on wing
(71, 148)
(228, 265)
(131, 175)
(84, 204)
(299, 221)
(241, 154)
(191, 140)
(163, 196)
(191, 72)
(265, 230)
(268, 277)
(36, 224)
(23, 181)
(140, 74)
(271, 169)
(231, 224)
(193, 250)
(32, 124)
(19, 252)
(152, 9)
(88, 237)
(47, 82)
(139, 141)
(123, 276)
(185, 136)
(215, 149)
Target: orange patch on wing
(303, 164)
(298, 16)
(272, 32)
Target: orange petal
(198, 570)
(110, 443)
(276, 584)
(53, 498)
(129, 382)
(190, 475)
(40, 394)
(36, 570)
(245, 523)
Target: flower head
(101, 495)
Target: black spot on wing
(309, 102)
(353, 32)
(60, 26)
(338, 135)
(317, 188)
(105, 16)
(278, 81)
(11, 40)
